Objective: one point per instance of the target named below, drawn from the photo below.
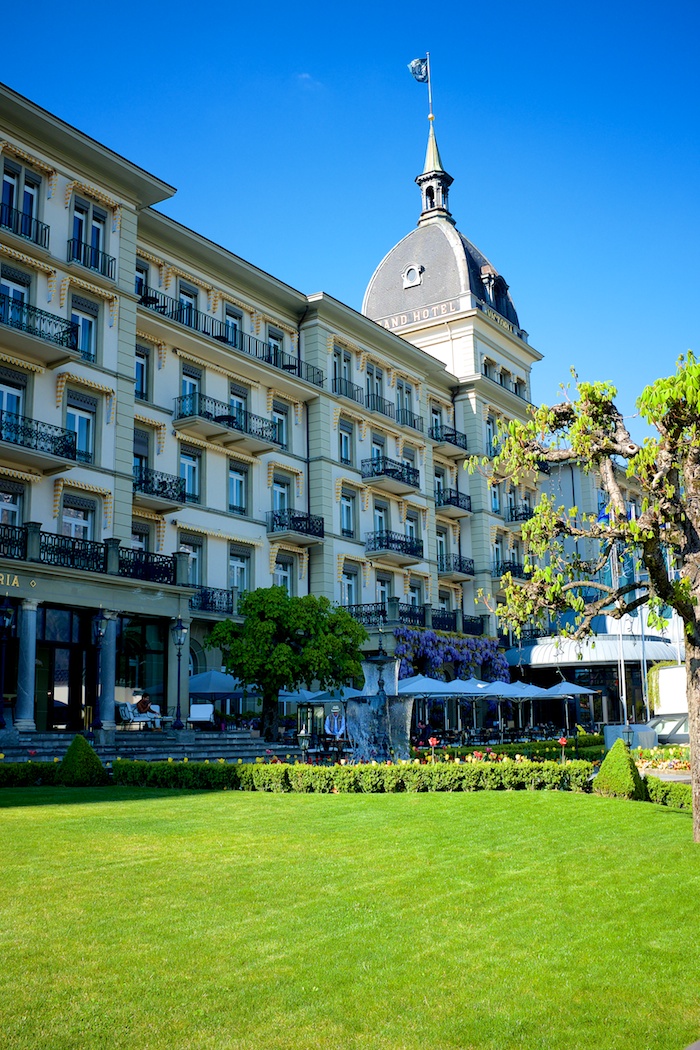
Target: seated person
(334, 726)
(143, 707)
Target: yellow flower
(170, 760)
(57, 760)
(206, 761)
(221, 761)
(185, 759)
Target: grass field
(208, 920)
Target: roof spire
(434, 181)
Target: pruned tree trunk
(692, 667)
(270, 717)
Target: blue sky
(294, 134)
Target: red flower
(433, 741)
(562, 741)
(31, 752)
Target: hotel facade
(178, 427)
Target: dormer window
(411, 276)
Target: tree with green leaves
(285, 642)
(588, 429)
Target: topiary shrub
(81, 766)
(618, 776)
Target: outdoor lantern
(179, 632)
(99, 626)
(627, 734)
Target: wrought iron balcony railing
(379, 466)
(409, 419)
(295, 521)
(347, 389)
(24, 225)
(440, 433)
(39, 323)
(455, 563)
(215, 600)
(375, 403)
(73, 553)
(227, 334)
(393, 541)
(413, 614)
(156, 483)
(13, 542)
(452, 498)
(472, 625)
(444, 620)
(142, 565)
(41, 437)
(519, 513)
(513, 567)
(370, 614)
(92, 258)
(198, 404)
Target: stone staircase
(149, 746)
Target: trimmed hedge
(368, 779)
(669, 793)
(618, 776)
(28, 774)
(81, 766)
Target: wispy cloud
(308, 82)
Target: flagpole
(430, 88)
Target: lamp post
(7, 616)
(99, 626)
(627, 734)
(179, 633)
(303, 738)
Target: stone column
(26, 677)
(108, 672)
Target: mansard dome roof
(432, 264)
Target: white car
(670, 729)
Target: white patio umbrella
(421, 685)
(567, 689)
(469, 687)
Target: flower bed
(675, 757)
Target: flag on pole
(419, 69)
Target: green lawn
(153, 919)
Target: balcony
(394, 548)
(444, 620)
(295, 525)
(44, 337)
(452, 504)
(516, 515)
(142, 565)
(455, 567)
(375, 403)
(472, 625)
(228, 335)
(24, 226)
(344, 388)
(409, 419)
(217, 600)
(447, 440)
(369, 614)
(515, 568)
(413, 615)
(29, 442)
(92, 258)
(224, 424)
(13, 542)
(70, 553)
(391, 475)
(158, 491)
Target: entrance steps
(150, 746)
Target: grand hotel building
(177, 426)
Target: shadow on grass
(20, 798)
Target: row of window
(20, 209)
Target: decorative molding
(159, 345)
(365, 565)
(281, 396)
(20, 475)
(159, 520)
(301, 552)
(96, 195)
(110, 297)
(19, 363)
(223, 450)
(444, 403)
(428, 581)
(35, 264)
(220, 370)
(160, 428)
(64, 377)
(350, 482)
(28, 158)
(83, 486)
(173, 271)
(216, 534)
(274, 464)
